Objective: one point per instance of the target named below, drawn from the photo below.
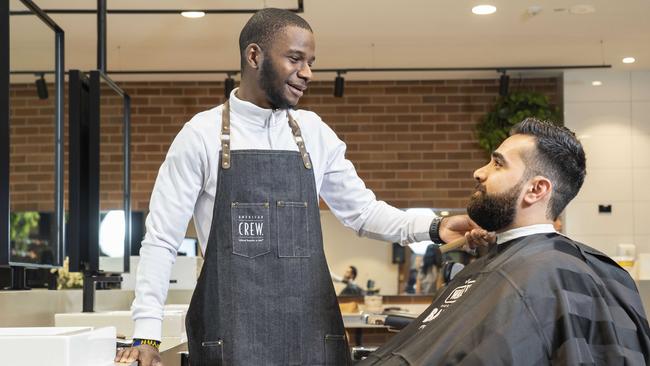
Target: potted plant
(510, 110)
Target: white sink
(173, 328)
(57, 346)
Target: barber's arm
(358, 208)
(179, 182)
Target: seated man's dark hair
(264, 25)
(354, 272)
(559, 156)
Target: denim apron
(265, 295)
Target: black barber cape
(537, 300)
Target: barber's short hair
(264, 25)
(559, 156)
(354, 272)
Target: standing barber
(251, 171)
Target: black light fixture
(228, 86)
(41, 87)
(339, 84)
(504, 83)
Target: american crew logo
(251, 227)
(454, 296)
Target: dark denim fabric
(264, 296)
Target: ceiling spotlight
(228, 86)
(596, 83)
(339, 85)
(504, 84)
(629, 60)
(484, 9)
(193, 14)
(41, 87)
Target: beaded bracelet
(149, 342)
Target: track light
(41, 87)
(504, 84)
(339, 84)
(228, 86)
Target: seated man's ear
(538, 189)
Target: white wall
(613, 123)
(371, 257)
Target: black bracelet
(434, 230)
(151, 342)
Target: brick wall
(413, 142)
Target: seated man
(351, 287)
(538, 297)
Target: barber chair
(395, 321)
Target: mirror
(35, 124)
(114, 231)
(388, 266)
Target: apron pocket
(336, 350)
(250, 229)
(212, 352)
(293, 229)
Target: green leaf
(510, 110)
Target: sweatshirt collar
(524, 231)
(248, 112)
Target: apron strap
(295, 130)
(225, 138)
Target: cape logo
(455, 294)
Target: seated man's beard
(494, 212)
(269, 82)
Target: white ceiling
(351, 33)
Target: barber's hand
(144, 353)
(480, 238)
(454, 227)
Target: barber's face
(500, 183)
(286, 68)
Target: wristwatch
(434, 230)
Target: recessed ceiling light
(484, 9)
(629, 60)
(596, 83)
(193, 14)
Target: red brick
(412, 141)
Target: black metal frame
(84, 178)
(5, 244)
(343, 70)
(96, 77)
(299, 9)
(59, 39)
(77, 229)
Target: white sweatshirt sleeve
(358, 208)
(179, 182)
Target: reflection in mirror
(421, 272)
(32, 119)
(388, 267)
(111, 187)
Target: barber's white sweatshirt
(187, 182)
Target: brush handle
(453, 245)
